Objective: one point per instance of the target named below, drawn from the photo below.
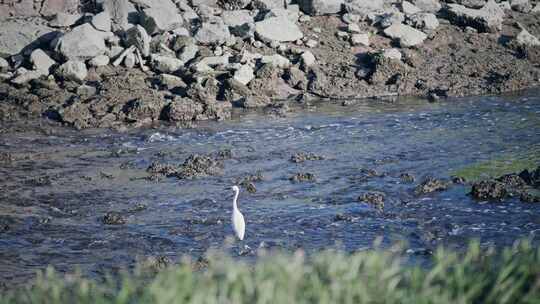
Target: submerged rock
(303, 156)
(113, 218)
(375, 199)
(488, 190)
(430, 185)
(302, 177)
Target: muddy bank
(218, 56)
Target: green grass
(511, 275)
(500, 166)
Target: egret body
(239, 225)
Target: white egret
(239, 225)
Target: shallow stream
(57, 185)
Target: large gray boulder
(73, 70)
(213, 34)
(118, 12)
(41, 61)
(83, 42)
(236, 18)
(431, 6)
(267, 4)
(406, 35)
(138, 37)
(523, 6)
(102, 21)
(423, 21)
(166, 64)
(64, 20)
(321, 7)
(487, 19)
(527, 39)
(278, 29)
(17, 35)
(160, 19)
(363, 7)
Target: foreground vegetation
(476, 276)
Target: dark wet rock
(406, 177)
(373, 198)
(430, 185)
(250, 187)
(193, 167)
(249, 181)
(113, 218)
(388, 71)
(6, 157)
(303, 156)
(40, 181)
(183, 109)
(302, 177)
(512, 181)
(488, 190)
(458, 180)
(532, 178)
(530, 197)
(156, 263)
(224, 154)
(143, 110)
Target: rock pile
(194, 60)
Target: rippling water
(57, 190)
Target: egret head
(235, 189)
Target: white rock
(423, 21)
(320, 7)
(102, 21)
(350, 18)
(363, 7)
(188, 52)
(311, 43)
(212, 34)
(523, 6)
(360, 39)
(159, 19)
(308, 59)
(236, 18)
(487, 19)
(73, 70)
(282, 13)
(4, 65)
(83, 42)
(526, 38)
(213, 61)
(138, 37)
(278, 29)
(64, 20)
(276, 60)
(25, 76)
(353, 28)
(101, 60)
(431, 6)
(267, 4)
(409, 8)
(244, 74)
(536, 9)
(392, 53)
(41, 61)
(407, 36)
(166, 64)
(129, 60)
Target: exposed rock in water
(530, 197)
(512, 181)
(406, 177)
(302, 177)
(113, 218)
(303, 156)
(488, 190)
(193, 167)
(373, 198)
(430, 185)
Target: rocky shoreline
(120, 63)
